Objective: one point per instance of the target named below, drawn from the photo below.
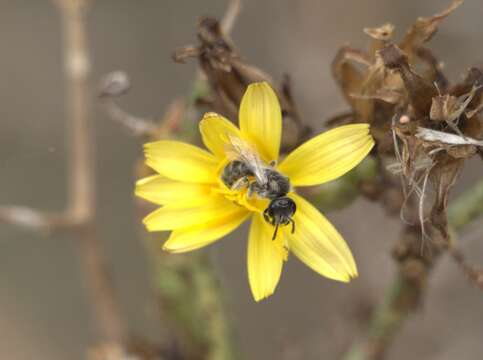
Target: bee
(247, 170)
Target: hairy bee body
(237, 172)
(276, 186)
(248, 171)
(234, 171)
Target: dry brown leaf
(229, 75)
(424, 28)
(443, 177)
(351, 80)
(383, 32)
(420, 91)
(380, 37)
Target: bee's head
(280, 212)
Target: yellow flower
(198, 208)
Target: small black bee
(249, 171)
(280, 212)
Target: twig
(407, 289)
(474, 274)
(231, 14)
(117, 83)
(113, 85)
(79, 216)
(135, 125)
(82, 195)
(32, 219)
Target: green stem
(405, 292)
(467, 207)
(192, 300)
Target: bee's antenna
(275, 232)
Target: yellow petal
(180, 161)
(215, 131)
(177, 216)
(163, 191)
(328, 155)
(318, 244)
(187, 239)
(265, 259)
(261, 119)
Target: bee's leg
(240, 183)
(265, 216)
(275, 232)
(253, 188)
(273, 163)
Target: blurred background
(44, 311)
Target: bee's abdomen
(234, 171)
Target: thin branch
(32, 219)
(231, 14)
(135, 125)
(79, 216)
(473, 273)
(113, 85)
(116, 84)
(82, 192)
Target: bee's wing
(238, 149)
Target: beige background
(43, 309)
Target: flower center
(236, 183)
(243, 197)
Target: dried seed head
(442, 107)
(420, 91)
(383, 32)
(228, 76)
(427, 112)
(425, 27)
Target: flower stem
(405, 292)
(191, 296)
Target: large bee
(247, 170)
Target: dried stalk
(82, 194)
(405, 293)
(231, 15)
(79, 216)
